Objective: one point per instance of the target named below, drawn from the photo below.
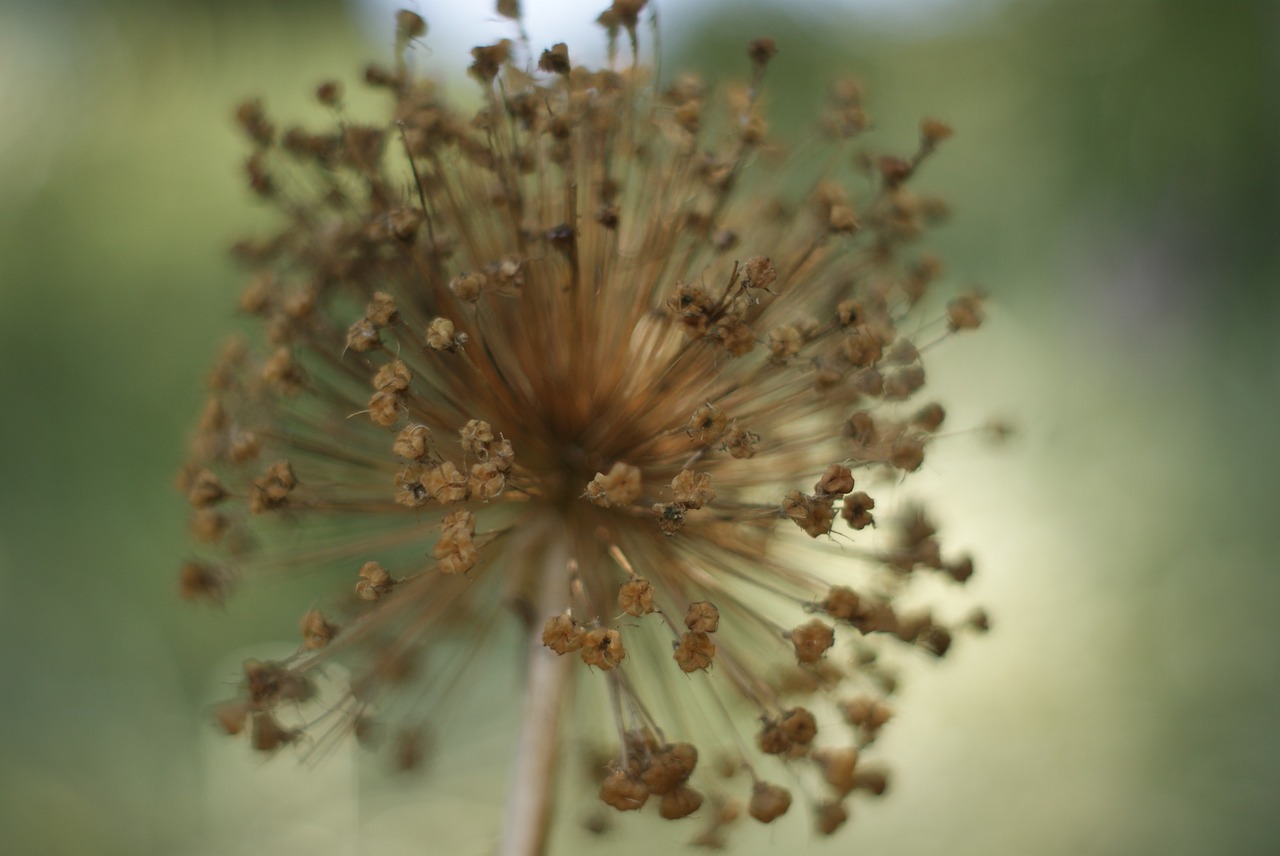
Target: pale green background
(1114, 178)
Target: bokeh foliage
(1115, 186)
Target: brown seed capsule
(260, 295)
(461, 558)
(707, 424)
(368, 731)
(384, 408)
(198, 581)
(875, 616)
(842, 220)
(374, 583)
(214, 418)
(623, 791)
(467, 286)
(811, 640)
(903, 383)
(964, 313)
(681, 802)
(232, 716)
(487, 480)
(902, 352)
(838, 766)
(929, 418)
(446, 483)
(253, 120)
(363, 336)
(979, 620)
(622, 13)
(243, 447)
(410, 490)
(799, 726)
(621, 486)
(441, 335)
(692, 489)
(862, 348)
(410, 25)
(206, 490)
(762, 50)
(635, 597)
(316, 631)
(873, 781)
(867, 713)
(476, 436)
(411, 747)
(562, 634)
(412, 442)
(602, 648)
(768, 802)
(758, 272)
(836, 481)
(893, 170)
(784, 341)
(851, 313)
(670, 767)
(268, 735)
(910, 627)
(670, 516)
(271, 489)
(555, 60)
(831, 816)
(455, 548)
(260, 180)
(862, 428)
(692, 306)
(842, 603)
(608, 216)
(702, 617)
(562, 238)
(934, 131)
(382, 310)
(694, 651)
(501, 453)
(263, 681)
(813, 514)
(209, 525)
(857, 510)
(329, 93)
(394, 377)
(772, 740)
(739, 442)
(907, 453)
(269, 682)
(935, 639)
(961, 569)
(489, 60)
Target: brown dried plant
(591, 351)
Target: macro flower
(602, 357)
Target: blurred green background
(1116, 186)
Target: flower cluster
(592, 351)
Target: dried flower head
(588, 348)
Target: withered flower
(594, 349)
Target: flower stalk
(531, 789)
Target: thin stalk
(529, 797)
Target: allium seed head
(590, 349)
